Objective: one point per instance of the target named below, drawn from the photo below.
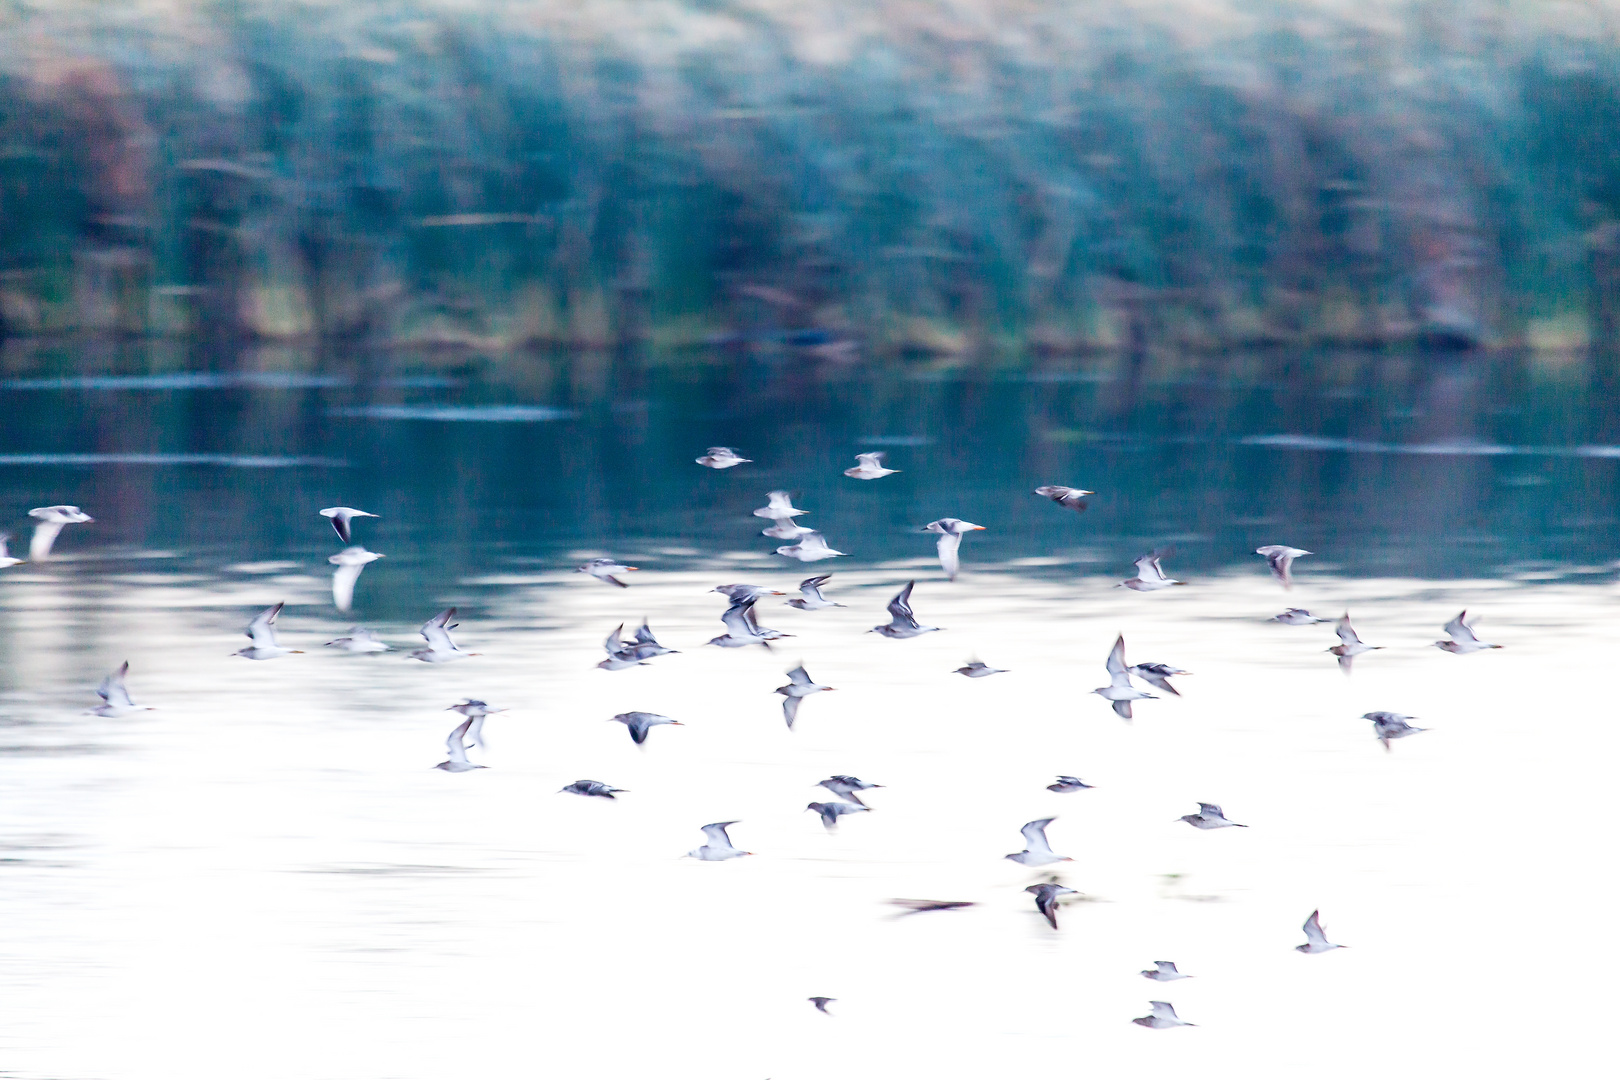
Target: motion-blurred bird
(605, 569)
(1150, 576)
(51, 520)
(978, 669)
(902, 623)
(743, 629)
(1071, 498)
(262, 632)
(831, 811)
(593, 788)
(640, 723)
(436, 632)
(722, 457)
(917, 907)
(847, 787)
(6, 559)
(778, 506)
(869, 467)
(800, 686)
(476, 711)
(349, 562)
(1462, 637)
(1297, 617)
(647, 646)
(718, 846)
(115, 699)
(1162, 1016)
(1389, 725)
(812, 547)
(1119, 692)
(1352, 646)
(1067, 784)
(359, 640)
(785, 529)
(810, 598)
(1281, 560)
(341, 517)
(1164, 971)
(746, 594)
(456, 744)
(951, 530)
(1209, 816)
(1046, 899)
(1315, 940)
(821, 1003)
(620, 654)
(1037, 852)
(1158, 675)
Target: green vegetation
(984, 179)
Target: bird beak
(677, 723)
(978, 527)
(632, 568)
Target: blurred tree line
(876, 177)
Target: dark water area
(1439, 468)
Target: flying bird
(722, 457)
(1164, 971)
(978, 669)
(1067, 784)
(810, 598)
(917, 907)
(640, 723)
(456, 744)
(1281, 560)
(1150, 577)
(51, 521)
(743, 629)
(349, 562)
(592, 788)
(746, 594)
(786, 529)
(1315, 940)
(951, 530)
(436, 632)
(779, 506)
(1162, 1016)
(647, 646)
(359, 640)
(847, 787)
(1462, 637)
(902, 623)
(800, 686)
(6, 559)
(1119, 692)
(870, 467)
(812, 547)
(1072, 498)
(1209, 816)
(341, 516)
(1390, 725)
(1158, 675)
(821, 1003)
(831, 811)
(1352, 646)
(1037, 852)
(475, 710)
(262, 632)
(115, 699)
(605, 569)
(1046, 899)
(620, 654)
(1295, 616)
(718, 846)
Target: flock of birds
(743, 629)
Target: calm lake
(265, 878)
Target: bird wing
(4, 537)
(262, 630)
(1166, 966)
(644, 636)
(873, 460)
(614, 644)
(436, 631)
(813, 543)
(343, 582)
(1313, 929)
(716, 834)
(1035, 836)
(1120, 675)
(1147, 567)
(950, 545)
(800, 677)
(790, 710)
(737, 620)
(900, 608)
(112, 689)
(810, 587)
(1457, 628)
(1346, 632)
(339, 517)
(783, 501)
(1163, 1010)
(1209, 809)
(456, 744)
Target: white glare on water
(265, 878)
